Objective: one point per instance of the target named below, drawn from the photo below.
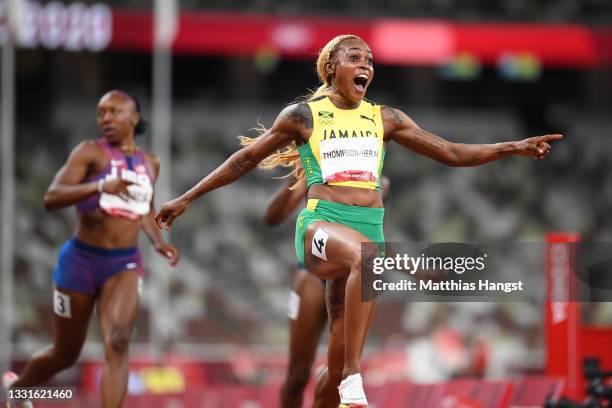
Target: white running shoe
(8, 379)
(351, 392)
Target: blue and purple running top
(132, 168)
(85, 268)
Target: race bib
(354, 159)
(319, 244)
(61, 304)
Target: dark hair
(142, 125)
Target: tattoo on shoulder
(394, 114)
(299, 114)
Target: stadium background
(220, 316)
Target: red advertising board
(394, 41)
(562, 315)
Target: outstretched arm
(400, 128)
(164, 248)
(292, 124)
(284, 202)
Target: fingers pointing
(550, 138)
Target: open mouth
(361, 81)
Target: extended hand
(538, 146)
(170, 211)
(169, 251)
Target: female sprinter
(306, 311)
(111, 182)
(340, 139)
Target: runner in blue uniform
(110, 180)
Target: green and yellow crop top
(346, 146)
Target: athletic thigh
(71, 313)
(330, 249)
(118, 302)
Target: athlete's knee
(355, 263)
(362, 256)
(118, 340)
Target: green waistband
(348, 213)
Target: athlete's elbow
(51, 201)
(271, 221)
(452, 157)
(450, 160)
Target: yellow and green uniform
(345, 149)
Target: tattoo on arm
(429, 139)
(239, 165)
(299, 114)
(393, 114)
